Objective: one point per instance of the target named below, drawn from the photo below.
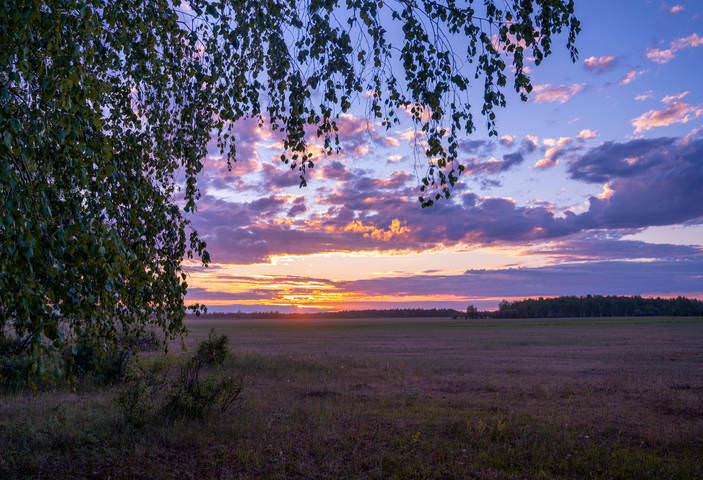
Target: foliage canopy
(106, 108)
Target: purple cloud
(649, 182)
(612, 278)
(664, 190)
(612, 159)
(583, 248)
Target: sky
(594, 186)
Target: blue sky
(595, 186)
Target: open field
(395, 398)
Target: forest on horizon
(563, 306)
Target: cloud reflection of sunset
(565, 201)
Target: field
(399, 398)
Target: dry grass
(580, 398)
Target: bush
(191, 397)
(138, 399)
(15, 364)
(185, 396)
(106, 363)
(15, 371)
(213, 350)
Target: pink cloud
(676, 9)
(555, 150)
(630, 76)
(551, 155)
(674, 112)
(507, 140)
(561, 93)
(667, 54)
(672, 98)
(563, 147)
(600, 65)
(644, 96)
(587, 134)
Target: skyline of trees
(564, 306)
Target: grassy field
(392, 398)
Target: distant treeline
(597, 306)
(391, 313)
(588, 306)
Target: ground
(399, 398)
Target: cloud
(561, 93)
(675, 9)
(673, 98)
(620, 160)
(644, 96)
(647, 182)
(666, 55)
(556, 149)
(587, 134)
(659, 277)
(477, 147)
(607, 278)
(563, 147)
(600, 65)
(492, 165)
(595, 247)
(507, 140)
(650, 182)
(530, 143)
(675, 112)
(335, 170)
(630, 76)
(298, 207)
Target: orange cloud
(370, 231)
(551, 156)
(418, 111)
(587, 134)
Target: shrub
(107, 363)
(213, 350)
(15, 364)
(9, 345)
(148, 392)
(15, 371)
(139, 397)
(191, 397)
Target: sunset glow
(599, 172)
